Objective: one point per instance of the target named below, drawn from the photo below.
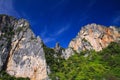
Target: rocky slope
(93, 37)
(21, 53)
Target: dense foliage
(87, 65)
(53, 59)
(5, 76)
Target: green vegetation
(84, 40)
(5, 76)
(103, 65)
(19, 29)
(53, 59)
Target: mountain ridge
(22, 54)
(92, 37)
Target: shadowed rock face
(22, 55)
(95, 37)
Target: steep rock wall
(22, 55)
(92, 37)
(96, 37)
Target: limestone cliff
(92, 37)
(21, 53)
(96, 37)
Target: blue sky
(61, 20)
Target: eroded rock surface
(94, 36)
(25, 57)
(22, 54)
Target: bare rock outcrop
(92, 37)
(57, 48)
(96, 37)
(67, 53)
(22, 55)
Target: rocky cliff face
(21, 53)
(94, 36)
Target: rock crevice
(25, 57)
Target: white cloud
(62, 30)
(7, 7)
(116, 20)
(48, 39)
(85, 14)
(44, 32)
(52, 37)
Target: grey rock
(67, 53)
(21, 52)
(93, 37)
(57, 48)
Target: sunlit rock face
(93, 36)
(67, 53)
(22, 55)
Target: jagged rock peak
(93, 36)
(21, 52)
(58, 48)
(57, 45)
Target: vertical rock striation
(22, 54)
(25, 57)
